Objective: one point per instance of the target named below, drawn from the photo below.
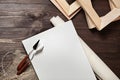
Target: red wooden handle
(24, 67)
(21, 64)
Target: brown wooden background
(20, 19)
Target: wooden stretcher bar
(101, 22)
(92, 17)
(69, 11)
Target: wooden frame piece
(112, 6)
(71, 10)
(68, 10)
(91, 25)
(101, 22)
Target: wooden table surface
(20, 19)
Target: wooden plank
(11, 13)
(13, 21)
(91, 12)
(27, 19)
(68, 9)
(91, 24)
(13, 45)
(21, 7)
(64, 13)
(64, 5)
(74, 7)
(25, 1)
(110, 17)
(19, 21)
(112, 6)
(18, 17)
(18, 33)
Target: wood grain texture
(25, 1)
(20, 19)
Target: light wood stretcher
(93, 21)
